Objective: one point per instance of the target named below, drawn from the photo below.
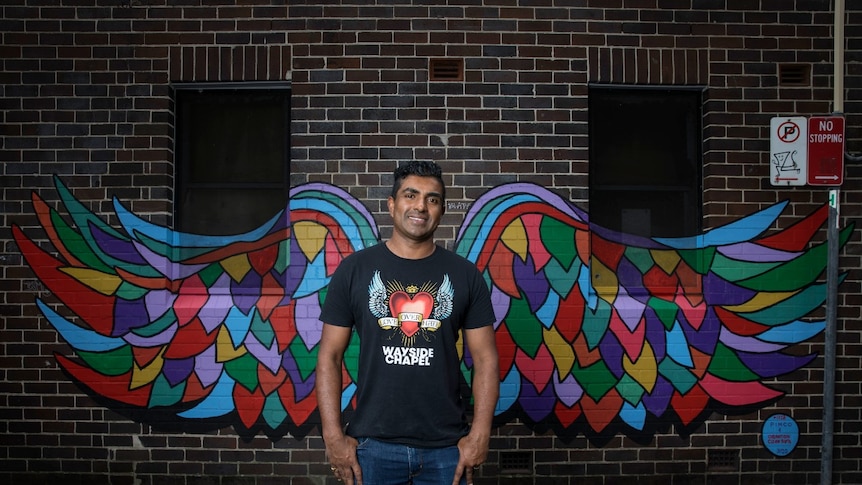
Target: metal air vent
(446, 69)
(794, 75)
(513, 462)
(722, 460)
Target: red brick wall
(85, 95)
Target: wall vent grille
(722, 460)
(446, 70)
(794, 75)
(516, 462)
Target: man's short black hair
(421, 168)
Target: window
(645, 160)
(232, 156)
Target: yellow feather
(310, 236)
(561, 351)
(666, 260)
(141, 376)
(515, 238)
(645, 370)
(760, 301)
(104, 283)
(236, 266)
(225, 350)
(604, 281)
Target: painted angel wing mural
(601, 328)
(597, 332)
(204, 327)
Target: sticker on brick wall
(780, 434)
(599, 333)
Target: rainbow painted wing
(598, 328)
(203, 327)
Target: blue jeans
(393, 464)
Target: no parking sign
(806, 150)
(788, 150)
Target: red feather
(570, 316)
(189, 341)
(299, 411)
(284, 324)
(600, 414)
(506, 350)
(739, 325)
(249, 404)
(263, 260)
(689, 406)
(118, 388)
(796, 237)
(567, 415)
(94, 308)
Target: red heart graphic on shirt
(421, 303)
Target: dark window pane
(645, 160)
(228, 136)
(228, 212)
(232, 157)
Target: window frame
(184, 94)
(692, 213)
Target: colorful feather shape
(602, 329)
(598, 332)
(202, 326)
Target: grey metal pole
(830, 337)
(830, 340)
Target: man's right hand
(343, 462)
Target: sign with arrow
(826, 150)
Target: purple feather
(537, 406)
(749, 251)
(630, 278)
(721, 292)
(301, 389)
(116, 248)
(129, 314)
(775, 363)
(207, 368)
(706, 338)
(247, 292)
(658, 400)
(177, 371)
(612, 354)
(534, 285)
(568, 391)
(655, 334)
(162, 338)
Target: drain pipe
(831, 331)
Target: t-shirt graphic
(410, 311)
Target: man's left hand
(473, 452)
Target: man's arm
(340, 448)
(486, 389)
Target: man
(408, 299)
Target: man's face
(417, 208)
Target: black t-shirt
(407, 314)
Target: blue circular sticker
(780, 434)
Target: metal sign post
(832, 268)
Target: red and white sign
(825, 150)
(788, 150)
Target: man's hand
(473, 451)
(342, 458)
(473, 448)
(340, 448)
